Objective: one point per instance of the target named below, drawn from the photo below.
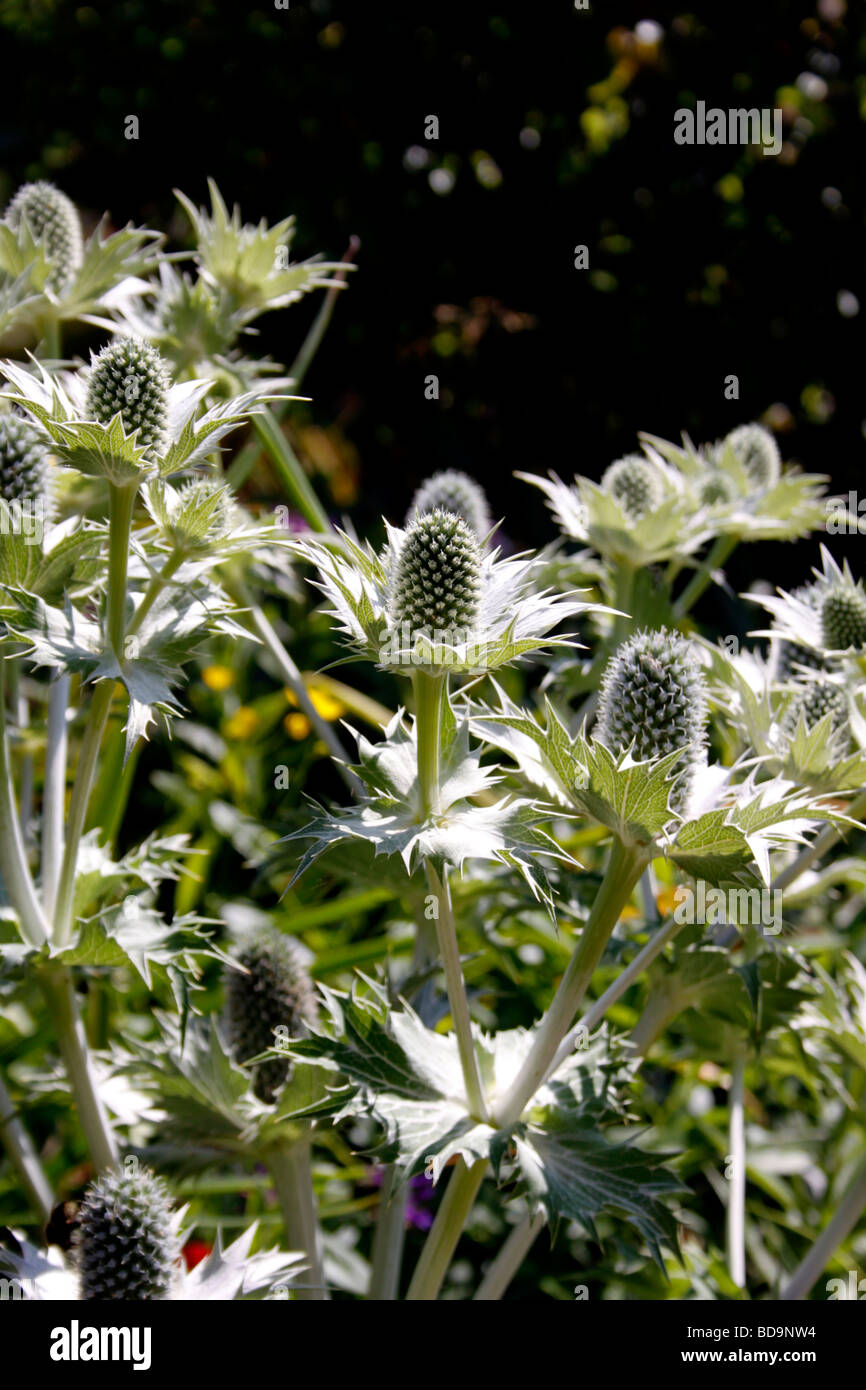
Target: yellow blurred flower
(242, 724)
(666, 901)
(297, 726)
(323, 703)
(218, 677)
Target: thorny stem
(845, 1218)
(736, 1216)
(23, 1155)
(293, 1178)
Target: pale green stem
(441, 1242)
(819, 846)
(736, 1214)
(153, 591)
(845, 1218)
(312, 342)
(661, 1007)
(624, 868)
(449, 952)
(622, 600)
(290, 471)
(720, 551)
(20, 714)
(430, 693)
(69, 1031)
(54, 791)
(509, 1259)
(293, 1178)
(14, 869)
(23, 1155)
(388, 1240)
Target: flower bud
(843, 617)
(129, 376)
(124, 1241)
(758, 452)
(24, 462)
(816, 699)
(635, 484)
(275, 991)
(653, 701)
(437, 578)
(453, 491)
(53, 221)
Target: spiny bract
(24, 462)
(758, 452)
(274, 992)
(437, 580)
(812, 703)
(124, 1238)
(790, 655)
(636, 485)
(843, 617)
(129, 376)
(54, 223)
(653, 700)
(453, 491)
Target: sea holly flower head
(636, 484)
(817, 700)
(436, 583)
(453, 491)
(53, 222)
(826, 619)
(272, 989)
(25, 462)
(125, 1243)
(843, 617)
(758, 452)
(129, 378)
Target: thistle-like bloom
(790, 655)
(53, 222)
(653, 702)
(125, 1241)
(843, 617)
(815, 700)
(437, 577)
(758, 452)
(453, 491)
(635, 483)
(716, 488)
(24, 462)
(274, 991)
(130, 378)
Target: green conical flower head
(653, 700)
(843, 617)
(636, 485)
(129, 376)
(54, 223)
(758, 452)
(716, 487)
(274, 992)
(124, 1239)
(437, 578)
(24, 462)
(812, 703)
(453, 491)
(790, 655)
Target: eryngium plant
(816, 699)
(635, 483)
(54, 224)
(758, 452)
(271, 990)
(843, 617)
(24, 461)
(453, 491)
(130, 378)
(437, 581)
(124, 1240)
(790, 655)
(653, 702)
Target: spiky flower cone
(437, 578)
(124, 1242)
(453, 491)
(843, 617)
(653, 700)
(54, 223)
(758, 452)
(129, 376)
(24, 462)
(790, 655)
(275, 992)
(812, 703)
(715, 488)
(635, 484)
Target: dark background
(703, 261)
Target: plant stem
(293, 1178)
(121, 503)
(14, 869)
(819, 846)
(441, 1242)
(736, 1216)
(388, 1239)
(290, 472)
(429, 696)
(446, 936)
(720, 551)
(661, 1007)
(20, 716)
(624, 867)
(319, 327)
(23, 1155)
(153, 591)
(845, 1218)
(69, 1031)
(54, 791)
(511, 1256)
